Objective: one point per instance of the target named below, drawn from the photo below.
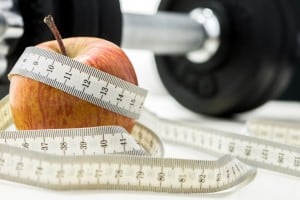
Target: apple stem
(52, 26)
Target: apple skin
(35, 105)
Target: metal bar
(163, 33)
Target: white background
(266, 185)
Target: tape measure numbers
(80, 80)
(81, 158)
(259, 152)
(286, 132)
(110, 158)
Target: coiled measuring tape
(108, 158)
(82, 159)
(260, 151)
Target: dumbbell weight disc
(288, 62)
(249, 67)
(292, 92)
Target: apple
(35, 105)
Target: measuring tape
(259, 152)
(80, 80)
(110, 158)
(286, 132)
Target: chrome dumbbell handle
(195, 34)
(163, 33)
(168, 33)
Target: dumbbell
(216, 57)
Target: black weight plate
(249, 68)
(99, 18)
(286, 56)
(292, 92)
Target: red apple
(35, 105)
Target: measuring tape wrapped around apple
(75, 108)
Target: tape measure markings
(80, 169)
(275, 130)
(104, 139)
(121, 172)
(84, 82)
(5, 114)
(254, 151)
(148, 140)
(257, 152)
